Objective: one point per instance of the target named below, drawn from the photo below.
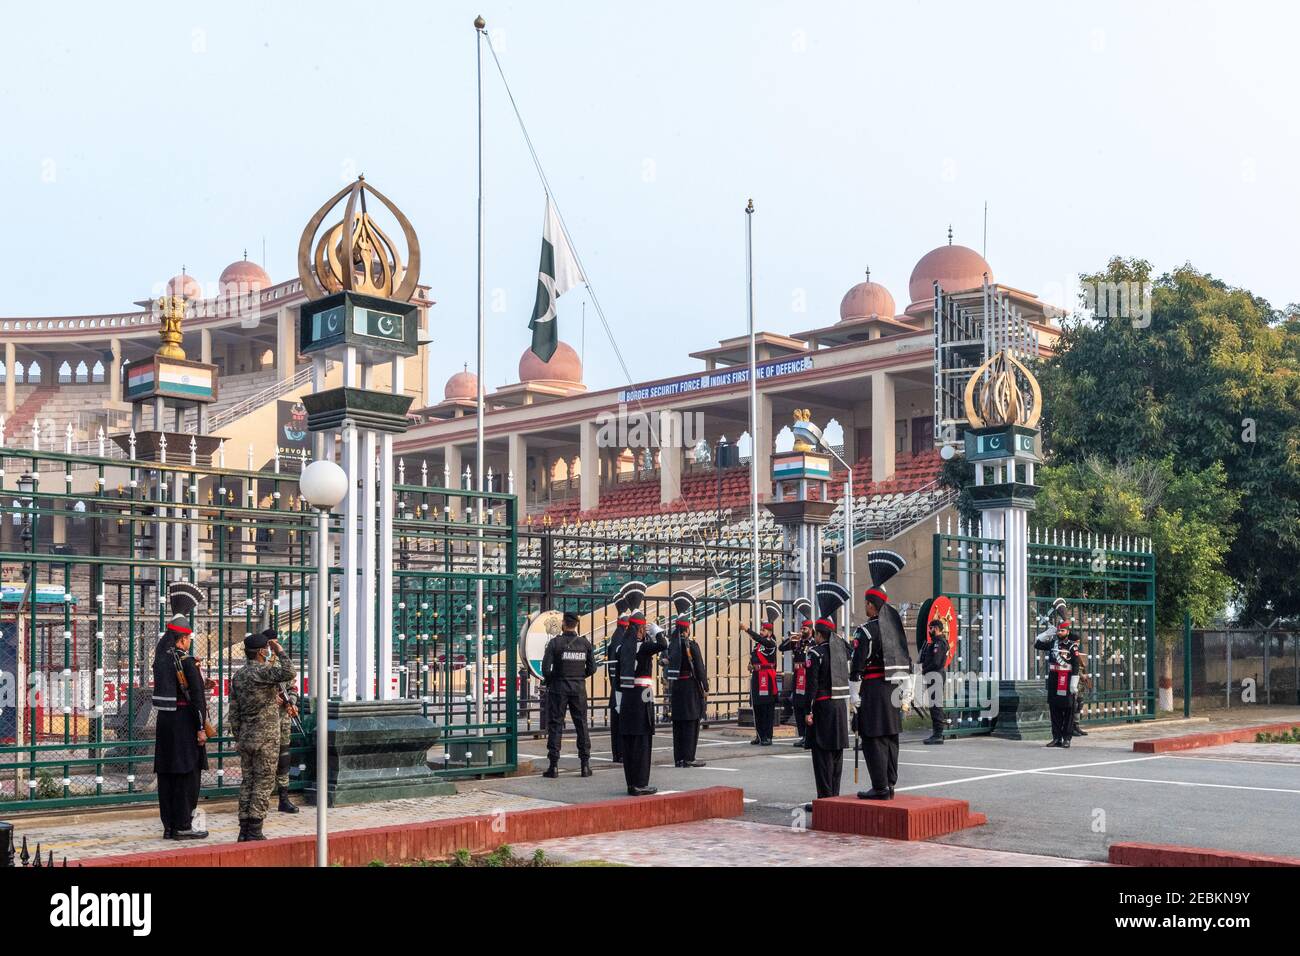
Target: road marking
(1171, 783)
(798, 756)
(722, 769)
(1016, 773)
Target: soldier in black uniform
(828, 687)
(882, 662)
(1063, 655)
(688, 683)
(636, 699)
(567, 663)
(180, 756)
(611, 669)
(798, 645)
(934, 659)
(764, 679)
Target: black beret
(255, 642)
(570, 619)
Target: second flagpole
(479, 26)
(753, 403)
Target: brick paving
(743, 843)
(85, 836)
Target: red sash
(801, 678)
(766, 676)
(1062, 680)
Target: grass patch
(501, 857)
(1289, 737)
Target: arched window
(34, 373)
(268, 359)
(18, 372)
(82, 374)
(97, 372)
(4, 371)
(65, 374)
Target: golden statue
(801, 444)
(1003, 399)
(354, 254)
(171, 313)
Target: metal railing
(237, 411)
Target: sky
(139, 138)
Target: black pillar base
(1022, 711)
(377, 750)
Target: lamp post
(808, 431)
(27, 489)
(324, 485)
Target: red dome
(955, 268)
(462, 385)
(185, 285)
(564, 366)
(242, 276)
(867, 299)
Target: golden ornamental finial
(1003, 399)
(355, 255)
(800, 443)
(171, 309)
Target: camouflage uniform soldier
(288, 711)
(255, 722)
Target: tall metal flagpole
(753, 401)
(479, 26)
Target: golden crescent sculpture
(355, 255)
(1002, 400)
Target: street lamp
(812, 433)
(324, 485)
(27, 491)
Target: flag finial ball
(750, 207)
(479, 23)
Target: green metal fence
(1110, 586)
(88, 545)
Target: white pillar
(455, 468)
(11, 359)
(589, 487)
(517, 465)
(286, 344)
(670, 456)
(762, 442)
(205, 346)
(883, 442)
(369, 565)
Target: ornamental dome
(462, 385)
(242, 277)
(865, 300)
(564, 367)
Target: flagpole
(753, 401)
(479, 26)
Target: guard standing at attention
(688, 683)
(180, 755)
(764, 681)
(934, 659)
(567, 663)
(882, 662)
(611, 671)
(642, 642)
(828, 686)
(798, 645)
(255, 724)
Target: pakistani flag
(557, 274)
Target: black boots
(285, 805)
(190, 834)
(254, 831)
(933, 739)
(586, 769)
(552, 771)
(874, 794)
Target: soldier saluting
(798, 645)
(611, 675)
(882, 662)
(688, 683)
(255, 723)
(636, 697)
(1063, 656)
(567, 663)
(763, 678)
(828, 687)
(180, 756)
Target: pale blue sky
(142, 136)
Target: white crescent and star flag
(558, 273)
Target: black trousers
(178, 795)
(881, 755)
(801, 711)
(1061, 707)
(575, 704)
(1078, 710)
(615, 740)
(686, 737)
(937, 720)
(636, 760)
(764, 716)
(828, 765)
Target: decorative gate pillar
(1003, 406)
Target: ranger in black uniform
(636, 699)
(1063, 654)
(882, 661)
(828, 687)
(688, 683)
(611, 670)
(180, 756)
(567, 663)
(764, 678)
(934, 658)
(798, 645)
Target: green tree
(1210, 377)
(1187, 515)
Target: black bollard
(6, 844)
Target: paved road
(1070, 803)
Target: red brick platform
(439, 839)
(1239, 735)
(1161, 854)
(903, 818)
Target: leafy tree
(1209, 379)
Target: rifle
(208, 729)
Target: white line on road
(1170, 783)
(1016, 773)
